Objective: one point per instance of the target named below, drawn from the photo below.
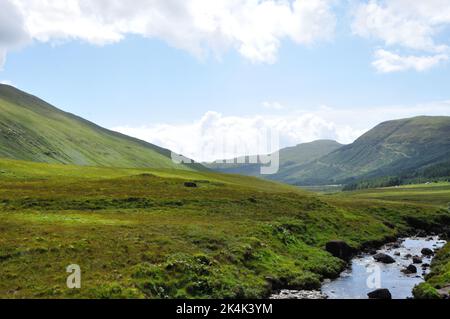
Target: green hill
(290, 158)
(33, 130)
(391, 148)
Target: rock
(411, 269)
(417, 260)
(408, 256)
(380, 294)
(384, 258)
(340, 249)
(397, 253)
(299, 294)
(396, 246)
(425, 266)
(427, 252)
(190, 184)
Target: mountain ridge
(32, 129)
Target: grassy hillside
(290, 159)
(391, 148)
(33, 130)
(141, 233)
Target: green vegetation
(140, 233)
(33, 130)
(438, 281)
(393, 153)
(291, 158)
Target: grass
(140, 233)
(33, 130)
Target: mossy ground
(143, 234)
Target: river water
(365, 274)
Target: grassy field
(433, 195)
(144, 234)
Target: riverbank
(398, 267)
(437, 282)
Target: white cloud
(386, 61)
(12, 30)
(215, 136)
(255, 28)
(412, 25)
(277, 106)
(7, 82)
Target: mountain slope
(290, 158)
(33, 130)
(390, 148)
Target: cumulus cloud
(255, 28)
(409, 25)
(386, 61)
(215, 136)
(12, 30)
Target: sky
(188, 74)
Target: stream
(365, 274)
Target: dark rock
(411, 269)
(397, 253)
(380, 294)
(383, 258)
(427, 252)
(396, 245)
(190, 184)
(408, 256)
(417, 260)
(425, 266)
(340, 249)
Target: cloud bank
(215, 136)
(255, 28)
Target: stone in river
(427, 252)
(411, 269)
(384, 258)
(417, 260)
(380, 294)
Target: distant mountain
(290, 158)
(392, 148)
(33, 130)
(393, 151)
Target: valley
(141, 233)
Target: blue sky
(154, 86)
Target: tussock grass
(143, 234)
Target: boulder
(397, 253)
(380, 294)
(417, 260)
(411, 269)
(190, 184)
(340, 249)
(384, 258)
(427, 252)
(425, 266)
